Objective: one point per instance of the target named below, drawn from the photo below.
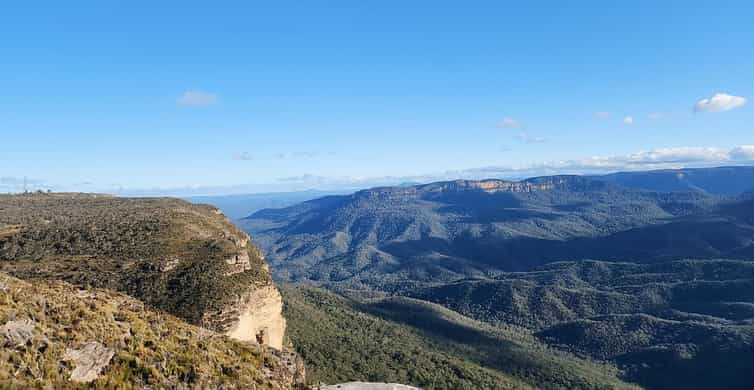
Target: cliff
(490, 186)
(188, 260)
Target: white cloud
(197, 98)
(662, 158)
(655, 116)
(509, 123)
(601, 114)
(719, 102)
(674, 155)
(629, 120)
(530, 139)
(742, 153)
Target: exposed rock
(153, 349)
(170, 265)
(17, 333)
(261, 319)
(89, 360)
(367, 386)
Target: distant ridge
(719, 180)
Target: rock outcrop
(90, 359)
(17, 333)
(96, 338)
(260, 318)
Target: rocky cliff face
(186, 259)
(490, 186)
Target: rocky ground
(56, 335)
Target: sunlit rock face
(261, 319)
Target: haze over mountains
(665, 288)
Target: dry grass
(166, 252)
(152, 349)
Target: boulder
(90, 359)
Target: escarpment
(186, 259)
(490, 186)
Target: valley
(551, 282)
(647, 272)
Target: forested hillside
(648, 272)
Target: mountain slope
(137, 347)
(443, 231)
(414, 342)
(655, 321)
(186, 259)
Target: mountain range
(645, 271)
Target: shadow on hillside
(689, 238)
(468, 341)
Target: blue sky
(254, 96)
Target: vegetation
(151, 348)
(409, 341)
(672, 294)
(169, 253)
(447, 231)
(656, 322)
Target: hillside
(56, 335)
(654, 321)
(188, 260)
(670, 291)
(414, 342)
(450, 230)
(719, 290)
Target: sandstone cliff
(186, 259)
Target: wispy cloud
(742, 153)
(662, 158)
(300, 155)
(629, 120)
(530, 139)
(243, 156)
(719, 102)
(601, 114)
(197, 98)
(509, 123)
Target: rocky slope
(56, 335)
(188, 260)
